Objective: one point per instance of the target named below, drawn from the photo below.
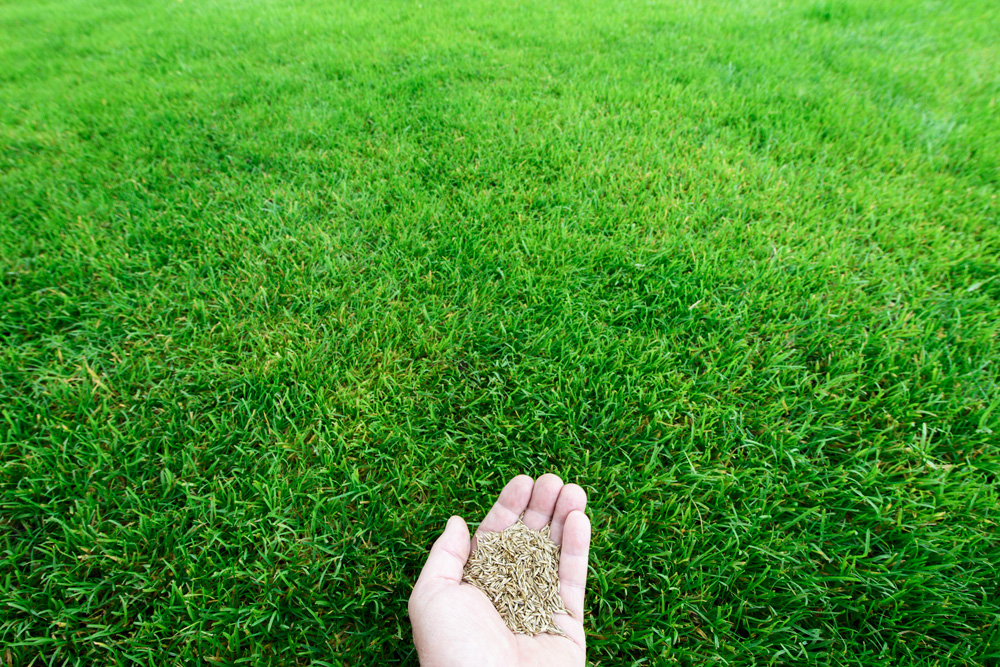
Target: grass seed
(518, 570)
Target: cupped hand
(456, 625)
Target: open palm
(455, 624)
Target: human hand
(456, 625)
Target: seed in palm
(518, 570)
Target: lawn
(284, 285)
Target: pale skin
(455, 624)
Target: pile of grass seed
(518, 569)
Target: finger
(572, 498)
(573, 562)
(543, 501)
(509, 506)
(448, 555)
(572, 627)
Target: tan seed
(518, 570)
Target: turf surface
(286, 284)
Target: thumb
(448, 555)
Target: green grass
(284, 285)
